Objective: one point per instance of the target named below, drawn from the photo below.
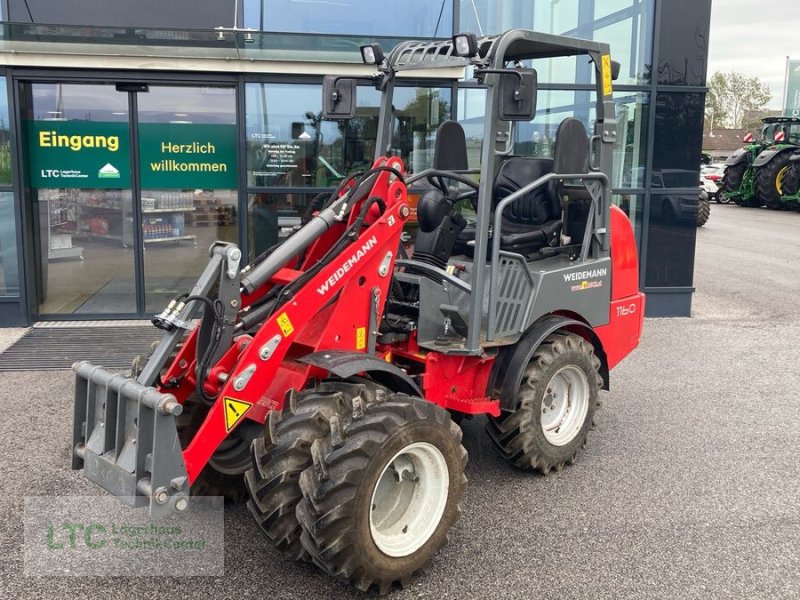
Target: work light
(466, 44)
(372, 54)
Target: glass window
(630, 152)
(418, 112)
(271, 217)
(5, 138)
(9, 270)
(177, 14)
(626, 25)
(603, 8)
(412, 18)
(633, 206)
(534, 138)
(537, 137)
(188, 144)
(486, 17)
(289, 145)
(471, 110)
(284, 134)
(79, 177)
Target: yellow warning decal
(235, 410)
(361, 338)
(285, 324)
(607, 81)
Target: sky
(754, 37)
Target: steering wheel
(435, 178)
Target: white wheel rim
(565, 405)
(409, 499)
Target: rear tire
(555, 406)
(383, 490)
(734, 175)
(703, 211)
(280, 456)
(769, 181)
(791, 182)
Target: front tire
(383, 491)
(769, 181)
(280, 456)
(555, 406)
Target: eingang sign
(79, 154)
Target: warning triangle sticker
(235, 410)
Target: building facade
(134, 133)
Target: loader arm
(324, 288)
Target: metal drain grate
(48, 348)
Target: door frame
(19, 77)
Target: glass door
(129, 186)
(188, 177)
(79, 170)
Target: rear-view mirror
(338, 98)
(518, 90)
(615, 69)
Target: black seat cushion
(536, 207)
(531, 222)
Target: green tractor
(755, 174)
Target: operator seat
(439, 223)
(534, 221)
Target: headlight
(372, 54)
(465, 44)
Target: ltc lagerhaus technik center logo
(109, 171)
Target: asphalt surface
(689, 488)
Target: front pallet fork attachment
(125, 438)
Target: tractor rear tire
(383, 490)
(703, 211)
(734, 175)
(791, 182)
(769, 181)
(555, 406)
(280, 455)
(211, 481)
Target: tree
(730, 95)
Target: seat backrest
(536, 207)
(571, 149)
(450, 148)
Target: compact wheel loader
(324, 379)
